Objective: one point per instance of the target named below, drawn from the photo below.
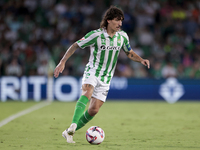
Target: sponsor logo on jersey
(104, 47)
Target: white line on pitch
(24, 112)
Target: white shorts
(100, 88)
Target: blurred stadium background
(35, 34)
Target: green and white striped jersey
(104, 51)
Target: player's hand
(59, 69)
(146, 62)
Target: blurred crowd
(35, 34)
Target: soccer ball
(95, 135)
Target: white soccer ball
(95, 135)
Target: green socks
(79, 117)
(79, 109)
(85, 118)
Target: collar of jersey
(106, 34)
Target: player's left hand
(146, 62)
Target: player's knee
(93, 111)
(87, 93)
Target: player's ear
(108, 21)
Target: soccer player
(105, 44)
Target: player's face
(115, 24)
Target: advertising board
(68, 88)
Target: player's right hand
(59, 69)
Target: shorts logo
(94, 94)
(105, 93)
(87, 75)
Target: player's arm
(60, 67)
(133, 56)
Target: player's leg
(98, 98)
(87, 90)
(93, 109)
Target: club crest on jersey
(119, 41)
(111, 43)
(104, 47)
(103, 41)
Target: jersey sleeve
(126, 45)
(88, 40)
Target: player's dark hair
(110, 14)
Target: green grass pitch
(128, 125)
